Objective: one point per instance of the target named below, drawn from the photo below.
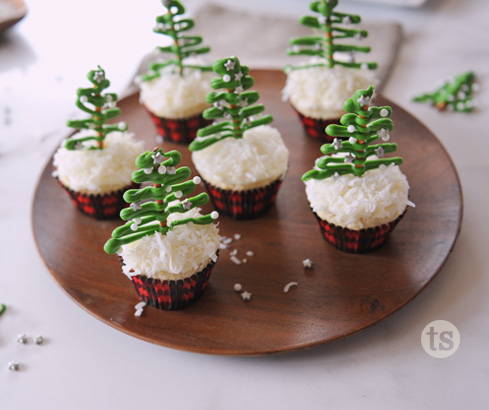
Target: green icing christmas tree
(360, 127)
(171, 24)
(455, 95)
(234, 109)
(326, 45)
(151, 206)
(101, 107)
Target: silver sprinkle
(13, 366)
(39, 340)
(22, 339)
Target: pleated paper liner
(246, 204)
(172, 294)
(99, 206)
(180, 131)
(315, 128)
(363, 240)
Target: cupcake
(241, 158)
(317, 89)
(357, 196)
(167, 247)
(95, 164)
(174, 90)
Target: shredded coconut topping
(183, 251)
(319, 92)
(289, 285)
(172, 96)
(376, 198)
(255, 160)
(99, 171)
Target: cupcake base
(172, 294)
(246, 204)
(315, 128)
(99, 206)
(180, 131)
(352, 241)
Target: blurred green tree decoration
(151, 205)
(325, 46)
(234, 107)
(454, 95)
(101, 107)
(172, 24)
(360, 127)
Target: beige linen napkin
(261, 40)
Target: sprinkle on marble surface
(289, 285)
(22, 339)
(237, 287)
(14, 366)
(307, 263)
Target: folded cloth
(261, 40)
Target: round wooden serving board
(341, 295)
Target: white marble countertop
(88, 365)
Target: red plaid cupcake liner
(172, 294)
(363, 240)
(315, 128)
(180, 131)
(243, 204)
(99, 206)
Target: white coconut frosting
(376, 198)
(99, 171)
(255, 160)
(320, 92)
(175, 97)
(182, 252)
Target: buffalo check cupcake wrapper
(180, 131)
(99, 206)
(172, 294)
(363, 240)
(246, 204)
(315, 128)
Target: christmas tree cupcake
(455, 95)
(241, 159)
(318, 88)
(174, 91)
(95, 164)
(167, 246)
(357, 196)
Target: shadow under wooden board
(341, 295)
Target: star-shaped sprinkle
(229, 65)
(337, 144)
(349, 158)
(98, 76)
(158, 158)
(135, 206)
(307, 263)
(238, 76)
(246, 296)
(238, 89)
(384, 134)
(379, 151)
(363, 100)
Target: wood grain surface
(341, 295)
